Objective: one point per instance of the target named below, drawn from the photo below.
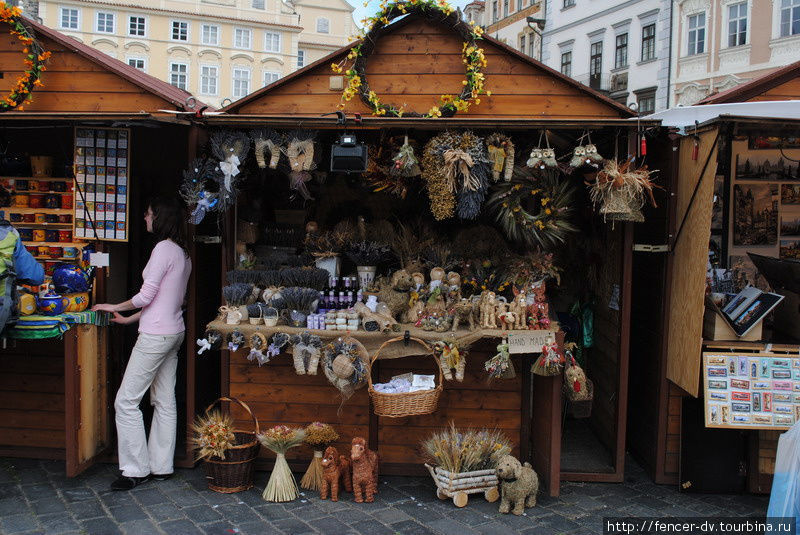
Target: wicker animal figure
(364, 463)
(488, 308)
(519, 485)
(505, 318)
(519, 307)
(394, 292)
(335, 470)
(464, 312)
(540, 309)
(575, 382)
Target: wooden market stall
(56, 394)
(415, 61)
(733, 197)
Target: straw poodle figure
(519, 485)
(335, 469)
(364, 463)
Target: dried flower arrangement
(533, 267)
(295, 298)
(306, 277)
(410, 242)
(212, 435)
(269, 278)
(457, 450)
(622, 190)
(346, 365)
(368, 253)
(237, 294)
(281, 486)
(199, 188)
(500, 365)
(328, 244)
(319, 436)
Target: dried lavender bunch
(295, 298)
(306, 277)
(368, 253)
(246, 276)
(237, 294)
(269, 278)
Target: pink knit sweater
(161, 296)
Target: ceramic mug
(55, 252)
(28, 218)
(71, 252)
(21, 200)
(51, 235)
(52, 201)
(25, 234)
(39, 218)
(65, 235)
(39, 235)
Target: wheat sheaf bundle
(212, 435)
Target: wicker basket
(400, 405)
(234, 473)
(580, 408)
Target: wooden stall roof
(83, 80)
(415, 62)
(782, 84)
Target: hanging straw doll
(319, 436)
(550, 362)
(281, 486)
(500, 365)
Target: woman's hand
(124, 320)
(104, 307)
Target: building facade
(219, 50)
(621, 48)
(507, 21)
(719, 44)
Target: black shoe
(161, 477)
(127, 482)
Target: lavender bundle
(368, 253)
(305, 277)
(295, 298)
(237, 294)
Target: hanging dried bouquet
(621, 190)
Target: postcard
(767, 399)
(742, 366)
(781, 374)
(714, 414)
(762, 419)
(781, 385)
(741, 419)
(784, 420)
(716, 359)
(782, 397)
(740, 407)
(718, 396)
(741, 383)
(717, 372)
(740, 396)
(780, 363)
(782, 409)
(756, 402)
(717, 384)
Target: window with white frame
(505, 8)
(494, 11)
(621, 51)
(209, 79)
(649, 42)
(790, 17)
(737, 24)
(272, 42)
(180, 30)
(569, 3)
(259, 4)
(209, 35)
(270, 76)
(137, 26)
(301, 58)
(241, 82)
(696, 37)
(323, 25)
(105, 22)
(69, 18)
(241, 38)
(138, 63)
(179, 75)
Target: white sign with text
(528, 341)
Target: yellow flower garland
(34, 60)
(472, 57)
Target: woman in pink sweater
(154, 359)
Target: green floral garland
(436, 10)
(34, 60)
(546, 225)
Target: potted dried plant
(366, 255)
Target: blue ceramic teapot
(52, 304)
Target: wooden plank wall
(72, 83)
(673, 442)
(418, 62)
(32, 413)
(278, 396)
(690, 257)
(789, 90)
(765, 444)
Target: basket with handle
(403, 404)
(234, 473)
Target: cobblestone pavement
(36, 497)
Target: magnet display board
(102, 170)
(751, 390)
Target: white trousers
(153, 364)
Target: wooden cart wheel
(491, 495)
(460, 499)
(440, 493)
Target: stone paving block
(559, 524)
(148, 496)
(200, 514)
(185, 497)
(273, 512)
(57, 523)
(330, 506)
(328, 524)
(239, 514)
(449, 526)
(39, 491)
(32, 476)
(588, 503)
(217, 498)
(250, 497)
(469, 516)
(391, 516)
(48, 505)
(179, 527)
(370, 527)
(293, 526)
(12, 506)
(165, 511)
(349, 516)
(390, 495)
(256, 528)
(12, 524)
(138, 527)
(541, 530)
(492, 528)
(106, 526)
(409, 527)
(419, 512)
(77, 494)
(519, 522)
(218, 528)
(10, 491)
(126, 513)
(86, 509)
(649, 501)
(111, 498)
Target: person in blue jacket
(17, 264)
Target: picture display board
(102, 169)
(751, 390)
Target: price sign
(528, 341)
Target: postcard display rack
(751, 390)
(102, 169)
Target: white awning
(685, 116)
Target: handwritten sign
(528, 341)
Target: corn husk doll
(500, 365)
(550, 362)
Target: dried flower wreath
(34, 59)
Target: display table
(278, 396)
(53, 389)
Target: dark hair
(169, 221)
(5, 197)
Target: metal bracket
(649, 248)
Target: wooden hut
(56, 393)
(413, 63)
(752, 120)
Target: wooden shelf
(62, 226)
(55, 244)
(37, 178)
(39, 210)
(37, 192)
(60, 259)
